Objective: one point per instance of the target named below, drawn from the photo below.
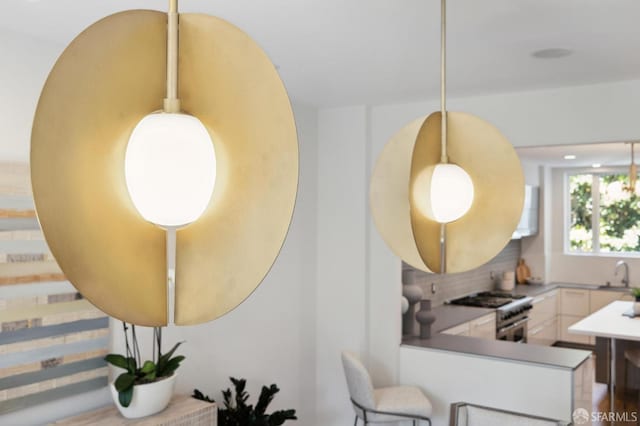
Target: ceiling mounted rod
(443, 81)
(171, 102)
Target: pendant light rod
(443, 122)
(443, 81)
(171, 102)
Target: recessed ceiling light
(552, 53)
(596, 165)
(569, 157)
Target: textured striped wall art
(52, 341)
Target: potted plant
(237, 412)
(635, 292)
(144, 388)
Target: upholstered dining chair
(382, 405)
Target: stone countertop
(535, 290)
(448, 316)
(508, 351)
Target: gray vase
(413, 293)
(425, 318)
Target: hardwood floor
(601, 405)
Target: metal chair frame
(386, 413)
(453, 417)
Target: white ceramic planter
(147, 399)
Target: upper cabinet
(529, 220)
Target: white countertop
(609, 322)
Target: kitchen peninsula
(536, 379)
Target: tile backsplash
(451, 286)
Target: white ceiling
(606, 154)
(338, 52)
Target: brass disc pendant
(478, 236)
(104, 83)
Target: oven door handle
(514, 325)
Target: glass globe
(449, 192)
(170, 168)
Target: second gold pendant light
(447, 191)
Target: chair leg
(355, 422)
(414, 422)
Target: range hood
(529, 220)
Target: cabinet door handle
(576, 292)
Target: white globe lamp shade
(449, 192)
(170, 168)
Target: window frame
(595, 218)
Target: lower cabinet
(483, 327)
(543, 319)
(545, 333)
(458, 330)
(576, 304)
(567, 321)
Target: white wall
(25, 66)
(341, 241)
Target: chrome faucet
(625, 278)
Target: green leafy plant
(237, 412)
(635, 292)
(137, 372)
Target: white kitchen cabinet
(544, 308)
(458, 330)
(567, 321)
(483, 327)
(574, 305)
(574, 302)
(543, 319)
(545, 333)
(601, 298)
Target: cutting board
(522, 272)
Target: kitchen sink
(613, 288)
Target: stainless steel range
(511, 312)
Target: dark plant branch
(236, 412)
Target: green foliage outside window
(580, 232)
(618, 229)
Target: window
(604, 214)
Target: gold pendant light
(118, 71)
(447, 191)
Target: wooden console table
(182, 411)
